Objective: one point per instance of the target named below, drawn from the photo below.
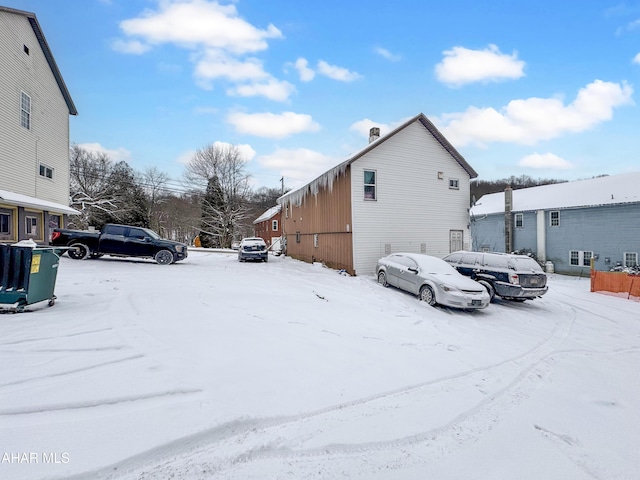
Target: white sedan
(432, 279)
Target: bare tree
(225, 163)
(154, 185)
(89, 186)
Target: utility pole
(282, 185)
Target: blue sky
(546, 89)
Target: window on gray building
(630, 259)
(554, 218)
(519, 220)
(580, 258)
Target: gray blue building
(564, 223)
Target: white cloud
(185, 157)
(298, 166)
(636, 59)
(270, 125)
(306, 73)
(629, 27)
(545, 160)
(336, 73)
(383, 52)
(115, 154)
(214, 64)
(534, 119)
(462, 65)
(199, 22)
(133, 47)
(272, 89)
(218, 37)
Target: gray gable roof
(31, 17)
(327, 178)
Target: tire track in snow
(56, 337)
(263, 439)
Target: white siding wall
(413, 206)
(47, 141)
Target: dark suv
(512, 277)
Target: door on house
(455, 240)
(275, 244)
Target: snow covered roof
(18, 199)
(607, 190)
(31, 17)
(326, 179)
(268, 214)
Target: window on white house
(31, 225)
(554, 218)
(369, 185)
(25, 111)
(519, 220)
(630, 259)
(46, 171)
(580, 258)
(454, 184)
(274, 225)
(5, 222)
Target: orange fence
(616, 282)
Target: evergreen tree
(212, 224)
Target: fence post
(592, 271)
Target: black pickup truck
(119, 241)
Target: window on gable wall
(554, 218)
(25, 111)
(454, 184)
(519, 220)
(370, 185)
(274, 225)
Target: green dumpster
(27, 276)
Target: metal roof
(17, 199)
(48, 55)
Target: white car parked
(432, 279)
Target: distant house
(34, 125)
(268, 227)
(565, 223)
(405, 191)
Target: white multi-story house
(406, 191)
(34, 132)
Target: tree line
(485, 187)
(215, 200)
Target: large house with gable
(406, 191)
(565, 223)
(35, 106)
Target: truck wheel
(164, 257)
(79, 251)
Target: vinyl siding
(608, 231)
(413, 205)
(21, 150)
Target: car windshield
(434, 265)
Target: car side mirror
(413, 270)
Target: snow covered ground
(211, 368)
